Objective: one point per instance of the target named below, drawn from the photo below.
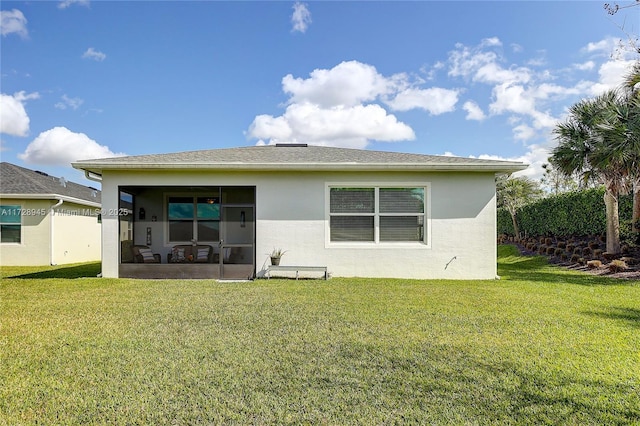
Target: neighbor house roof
(293, 157)
(19, 182)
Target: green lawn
(541, 345)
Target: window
(10, 224)
(377, 214)
(194, 218)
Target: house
(360, 213)
(46, 220)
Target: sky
(83, 79)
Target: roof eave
(507, 167)
(65, 198)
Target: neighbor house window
(194, 218)
(377, 214)
(10, 224)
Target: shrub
(550, 251)
(597, 252)
(586, 251)
(577, 250)
(570, 248)
(558, 252)
(542, 249)
(548, 241)
(594, 264)
(594, 245)
(575, 258)
(618, 266)
(572, 213)
(562, 244)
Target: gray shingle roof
(297, 157)
(19, 180)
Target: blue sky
(92, 79)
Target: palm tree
(632, 87)
(514, 193)
(596, 140)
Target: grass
(540, 346)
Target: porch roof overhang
(297, 158)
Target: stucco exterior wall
(34, 248)
(73, 229)
(292, 213)
(76, 234)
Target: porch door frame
(237, 241)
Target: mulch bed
(632, 273)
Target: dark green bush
(574, 213)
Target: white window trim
(21, 206)
(376, 244)
(165, 216)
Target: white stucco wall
(291, 213)
(34, 248)
(76, 234)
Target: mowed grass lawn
(541, 345)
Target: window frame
(18, 207)
(377, 243)
(194, 221)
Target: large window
(377, 214)
(10, 224)
(194, 218)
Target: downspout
(52, 213)
(92, 176)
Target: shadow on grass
(562, 398)
(627, 315)
(85, 270)
(561, 276)
(514, 266)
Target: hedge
(578, 213)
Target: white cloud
(13, 22)
(346, 126)
(96, 55)
(535, 157)
(346, 84)
(474, 112)
(66, 3)
(523, 132)
(585, 66)
(491, 41)
(13, 116)
(342, 106)
(611, 75)
(60, 146)
(434, 100)
(67, 102)
(301, 17)
(605, 46)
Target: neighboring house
(45, 220)
(361, 213)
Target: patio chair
(143, 254)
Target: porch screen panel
(208, 212)
(181, 217)
(401, 214)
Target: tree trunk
(516, 231)
(635, 217)
(613, 222)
